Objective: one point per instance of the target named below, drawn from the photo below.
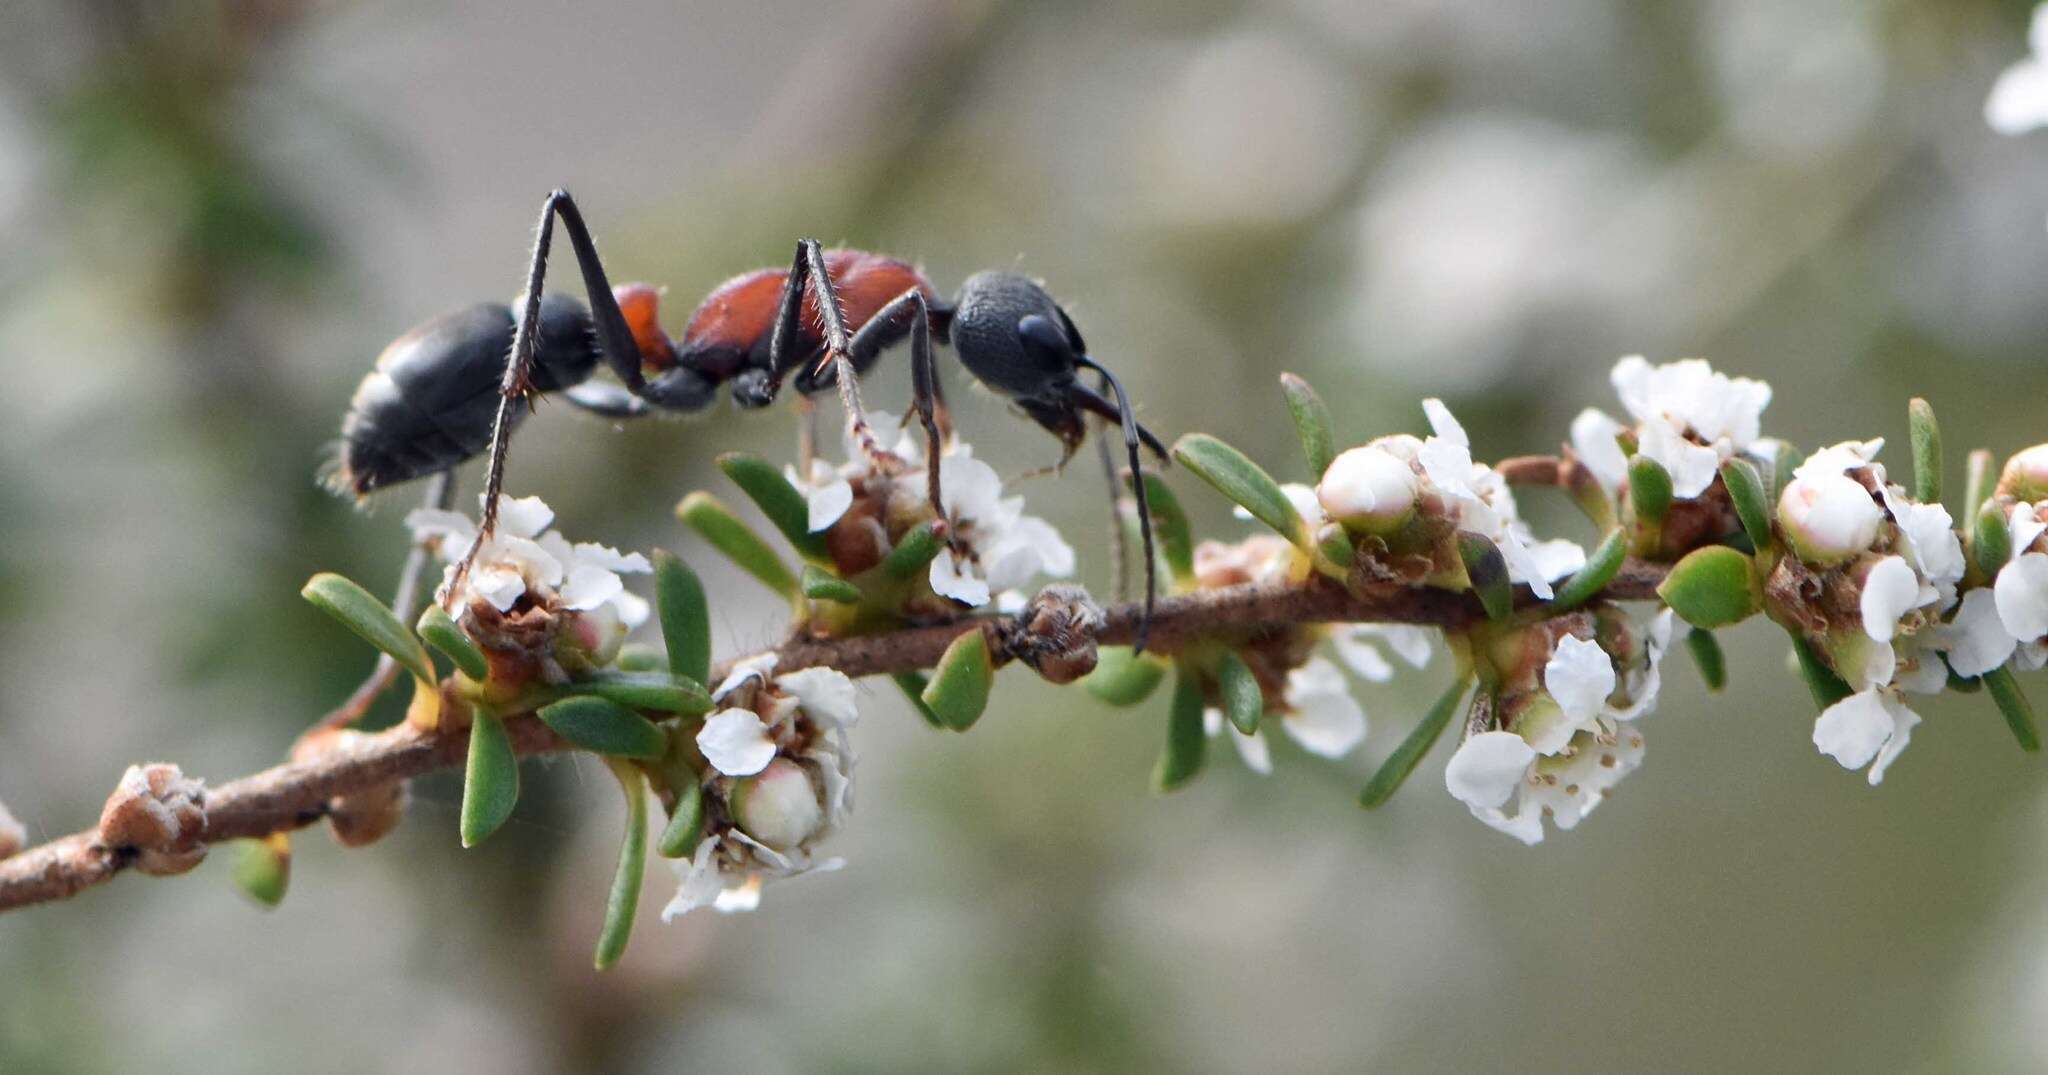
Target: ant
(450, 388)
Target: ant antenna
(1131, 443)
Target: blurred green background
(215, 217)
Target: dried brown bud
(12, 836)
(170, 863)
(155, 808)
(1055, 633)
(367, 816)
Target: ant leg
(1119, 541)
(809, 272)
(907, 314)
(1133, 437)
(614, 340)
(440, 494)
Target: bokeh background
(213, 218)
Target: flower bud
(779, 807)
(367, 816)
(155, 808)
(1369, 489)
(2026, 475)
(1828, 517)
(590, 640)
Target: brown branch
(296, 794)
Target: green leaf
(1311, 423)
(1186, 740)
(1752, 504)
(1600, 569)
(1827, 687)
(644, 690)
(912, 684)
(1410, 753)
(1170, 529)
(915, 550)
(1242, 481)
(371, 620)
(1488, 572)
(263, 868)
(822, 585)
(718, 525)
(624, 899)
(1977, 479)
(958, 691)
(2019, 715)
(605, 727)
(1712, 587)
(685, 823)
(1706, 653)
(641, 657)
(1925, 434)
(1993, 546)
(440, 632)
(1783, 463)
(1243, 701)
(490, 785)
(685, 616)
(781, 502)
(1649, 489)
(1123, 678)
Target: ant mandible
(448, 389)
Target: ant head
(1013, 337)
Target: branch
(296, 794)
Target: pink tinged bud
(2026, 475)
(1369, 488)
(1828, 517)
(779, 807)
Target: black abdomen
(432, 400)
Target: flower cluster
(531, 594)
(774, 770)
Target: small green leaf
(1977, 479)
(822, 585)
(1335, 543)
(1186, 739)
(958, 691)
(781, 502)
(1242, 481)
(1600, 569)
(440, 632)
(1712, 587)
(685, 616)
(643, 690)
(605, 727)
(624, 899)
(685, 823)
(1410, 753)
(1782, 463)
(1311, 423)
(1488, 572)
(915, 550)
(1925, 434)
(490, 785)
(1243, 701)
(1706, 653)
(1752, 506)
(2019, 715)
(1827, 687)
(263, 868)
(641, 657)
(912, 684)
(1649, 489)
(1170, 529)
(1122, 678)
(371, 620)
(718, 525)
(1993, 546)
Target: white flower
(1491, 768)
(1370, 488)
(736, 742)
(827, 494)
(523, 556)
(1870, 727)
(2019, 99)
(1486, 506)
(1977, 639)
(1689, 419)
(1354, 643)
(1322, 716)
(2020, 592)
(1827, 516)
(727, 872)
(1005, 547)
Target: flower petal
(1580, 676)
(1853, 730)
(756, 667)
(824, 504)
(701, 883)
(825, 693)
(1976, 640)
(951, 579)
(437, 522)
(1325, 720)
(2019, 99)
(1891, 590)
(2022, 594)
(1487, 769)
(589, 586)
(523, 516)
(1593, 441)
(1359, 655)
(736, 742)
(1692, 467)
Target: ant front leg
(614, 340)
(1134, 436)
(907, 314)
